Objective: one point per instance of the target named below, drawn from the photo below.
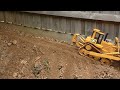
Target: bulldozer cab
(98, 36)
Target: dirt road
(23, 55)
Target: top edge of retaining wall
(81, 15)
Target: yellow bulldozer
(98, 47)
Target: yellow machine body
(97, 47)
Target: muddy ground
(25, 55)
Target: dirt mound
(25, 55)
